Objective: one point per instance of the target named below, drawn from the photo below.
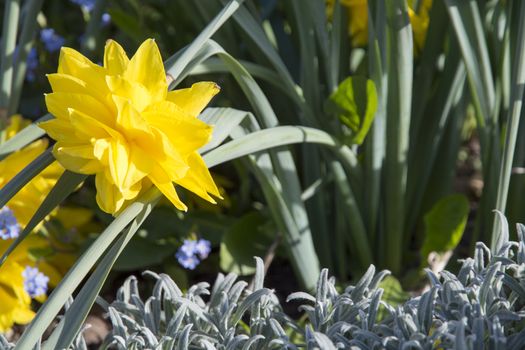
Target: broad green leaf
(355, 104)
(444, 224)
(244, 240)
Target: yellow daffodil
(119, 122)
(16, 302)
(16, 123)
(358, 21)
(25, 203)
(21, 278)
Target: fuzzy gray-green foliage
(232, 318)
(480, 308)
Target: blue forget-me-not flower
(35, 282)
(9, 227)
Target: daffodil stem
(25, 44)
(517, 88)
(177, 63)
(7, 50)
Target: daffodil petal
(89, 127)
(115, 58)
(59, 129)
(59, 104)
(185, 132)
(194, 99)
(70, 161)
(161, 181)
(134, 92)
(146, 68)
(72, 62)
(199, 180)
(108, 197)
(119, 162)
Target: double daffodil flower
(119, 122)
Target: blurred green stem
(24, 47)
(400, 61)
(7, 51)
(517, 90)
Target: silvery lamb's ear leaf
(252, 342)
(503, 235)
(363, 284)
(277, 329)
(247, 303)
(258, 280)
(175, 322)
(520, 228)
(236, 291)
(370, 337)
(118, 325)
(164, 282)
(221, 285)
(378, 278)
(323, 341)
(300, 296)
(374, 308)
(521, 253)
(322, 287)
(151, 339)
(425, 310)
(412, 344)
(479, 256)
(152, 314)
(124, 292)
(513, 284)
(183, 341)
(466, 270)
(136, 301)
(167, 343)
(237, 341)
(192, 306)
(487, 284)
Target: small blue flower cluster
(35, 282)
(9, 227)
(89, 5)
(192, 252)
(51, 40)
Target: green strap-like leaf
(24, 137)
(70, 325)
(80, 269)
(66, 184)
